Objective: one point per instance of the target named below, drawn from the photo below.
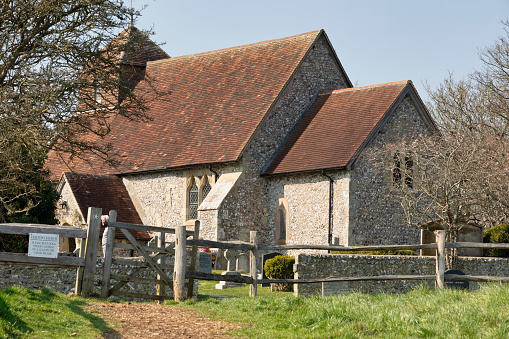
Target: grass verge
(44, 314)
(421, 313)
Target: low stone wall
(63, 280)
(336, 265)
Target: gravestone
(231, 256)
(205, 262)
(243, 263)
(221, 262)
(266, 257)
(334, 288)
(456, 284)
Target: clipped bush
(280, 267)
(496, 235)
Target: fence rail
(439, 277)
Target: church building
(269, 137)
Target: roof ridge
(254, 44)
(337, 91)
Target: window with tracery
(193, 200)
(197, 190)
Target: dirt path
(157, 321)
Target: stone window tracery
(197, 189)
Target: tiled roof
(109, 193)
(217, 101)
(334, 128)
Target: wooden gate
(154, 257)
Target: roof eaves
(317, 170)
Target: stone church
(270, 136)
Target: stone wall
(308, 202)
(321, 266)
(375, 218)
(63, 280)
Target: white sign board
(43, 245)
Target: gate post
(179, 269)
(194, 255)
(440, 268)
(108, 255)
(94, 226)
(252, 264)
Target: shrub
(496, 235)
(280, 267)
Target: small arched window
(193, 200)
(206, 189)
(281, 222)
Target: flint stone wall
(340, 265)
(63, 280)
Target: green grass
(44, 314)
(422, 313)
(207, 289)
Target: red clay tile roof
(109, 193)
(217, 101)
(334, 128)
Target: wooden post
(108, 255)
(252, 262)
(440, 268)
(161, 290)
(179, 269)
(194, 255)
(94, 225)
(79, 273)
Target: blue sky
(376, 41)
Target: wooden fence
(85, 263)
(254, 248)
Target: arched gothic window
(281, 222)
(193, 200)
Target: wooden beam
(253, 288)
(148, 228)
(230, 245)
(475, 245)
(482, 278)
(161, 290)
(108, 255)
(94, 224)
(218, 277)
(146, 248)
(24, 259)
(318, 280)
(62, 231)
(344, 248)
(179, 269)
(194, 255)
(440, 260)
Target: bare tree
(60, 78)
(460, 174)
